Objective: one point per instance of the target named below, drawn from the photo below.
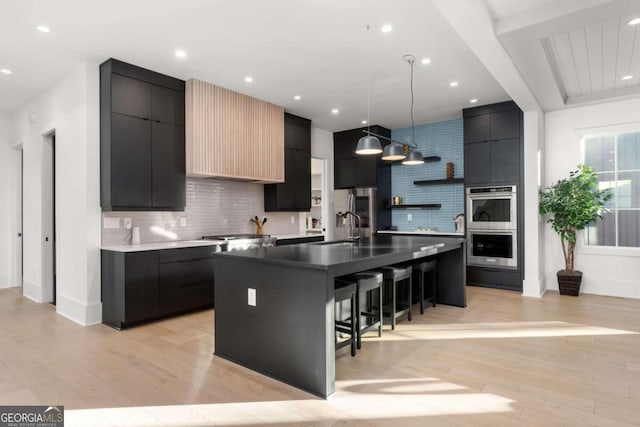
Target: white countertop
(294, 236)
(425, 233)
(162, 245)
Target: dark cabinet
(505, 160)
(138, 287)
(141, 139)
(352, 170)
(477, 162)
(294, 194)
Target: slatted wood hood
(233, 136)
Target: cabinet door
(477, 163)
(167, 160)
(131, 162)
(302, 180)
(297, 135)
(141, 286)
(130, 96)
(167, 105)
(185, 285)
(345, 173)
(477, 128)
(366, 171)
(505, 124)
(505, 160)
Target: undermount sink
(339, 243)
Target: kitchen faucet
(358, 219)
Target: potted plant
(573, 203)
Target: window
(615, 158)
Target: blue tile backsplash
(442, 139)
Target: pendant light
(368, 144)
(393, 151)
(414, 157)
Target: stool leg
(393, 304)
(410, 296)
(380, 314)
(435, 285)
(421, 284)
(357, 320)
(353, 326)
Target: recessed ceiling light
(386, 28)
(297, 97)
(473, 101)
(426, 61)
(335, 111)
(453, 84)
(628, 77)
(181, 54)
(364, 122)
(248, 79)
(43, 29)
(634, 21)
(5, 71)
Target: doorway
(49, 247)
(17, 275)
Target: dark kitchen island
(289, 333)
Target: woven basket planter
(569, 282)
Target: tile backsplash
(213, 207)
(444, 139)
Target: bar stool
(420, 269)
(394, 277)
(343, 291)
(368, 283)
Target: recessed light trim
(180, 54)
(634, 21)
(425, 61)
(473, 100)
(628, 77)
(43, 29)
(387, 28)
(5, 71)
(297, 97)
(335, 111)
(364, 122)
(248, 79)
(453, 84)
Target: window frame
(581, 134)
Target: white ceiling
(317, 49)
(572, 52)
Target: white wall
(71, 109)
(322, 148)
(605, 272)
(5, 205)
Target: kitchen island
(275, 310)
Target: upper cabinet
(492, 144)
(142, 164)
(350, 169)
(295, 193)
(230, 135)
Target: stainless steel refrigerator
(362, 202)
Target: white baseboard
(534, 288)
(603, 286)
(4, 282)
(32, 291)
(78, 312)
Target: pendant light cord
(413, 135)
(369, 83)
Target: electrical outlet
(111, 223)
(183, 221)
(409, 217)
(251, 297)
(293, 219)
(127, 223)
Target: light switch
(111, 222)
(127, 223)
(409, 217)
(183, 221)
(251, 297)
(293, 219)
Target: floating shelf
(439, 181)
(417, 206)
(430, 159)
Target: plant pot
(569, 282)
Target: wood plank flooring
(504, 360)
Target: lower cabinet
(138, 287)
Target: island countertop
(344, 258)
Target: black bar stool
(347, 290)
(369, 283)
(420, 270)
(396, 277)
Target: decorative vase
(569, 282)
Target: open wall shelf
(439, 181)
(417, 206)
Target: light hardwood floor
(504, 360)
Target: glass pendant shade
(368, 145)
(393, 151)
(413, 158)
